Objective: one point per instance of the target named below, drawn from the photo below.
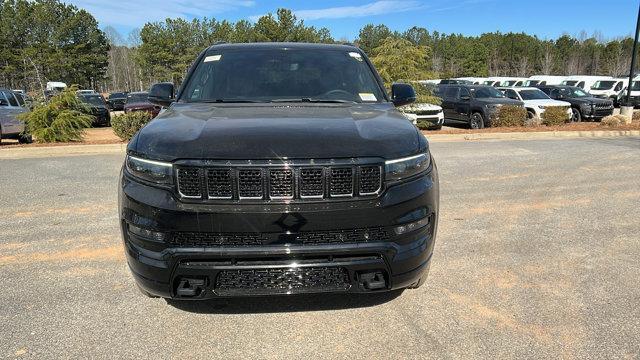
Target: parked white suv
(425, 113)
(535, 101)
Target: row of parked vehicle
(476, 105)
(15, 102)
(605, 87)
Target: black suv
(117, 100)
(98, 108)
(474, 105)
(583, 105)
(278, 168)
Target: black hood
(269, 131)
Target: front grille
(219, 183)
(282, 281)
(280, 183)
(269, 182)
(341, 182)
(250, 183)
(346, 236)
(428, 112)
(190, 182)
(311, 182)
(370, 179)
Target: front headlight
(150, 170)
(406, 167)
(541, 107)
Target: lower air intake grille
(282, 281)
(343, 236)
(204, 239)
(189, 182)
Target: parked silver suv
(10, 107)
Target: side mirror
(465, 97)
(402, 94)
(162, 94)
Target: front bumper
(284, 263)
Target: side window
(451, 92)
(581, 84)
(464, 92)
(512, 94)
(3, 100)
(20, 99)
(11, 98)
(618, 86)
(542, 83)
(554, 93)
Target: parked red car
(139, 101)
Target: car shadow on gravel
(278, 304)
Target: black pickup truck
(278, 168)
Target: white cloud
(135, 13)
(370, 9)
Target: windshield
(531, 82)
(570, 82)
(603, 85)
(487, 92)
(635, 86)
(264, 75)
(117, 96)
(93, 100)
(137, 98)
(573, 92)
(533, 94)
(508, 83)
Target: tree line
(47, 40)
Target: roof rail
(219, 42)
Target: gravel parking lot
(536, 257)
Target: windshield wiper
(311, 100)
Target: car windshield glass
(571, 82)
(603, 85)
(487, 92)
(533, 94)
(508, 83)
(137, 98)
(574, 92)
(117, 96)
(531, 82)
(93, 99)
(264, 75)
(635, 86)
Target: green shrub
(127, 125)
(62, 119)
(509, 116)
(614, 120)
(555, 115)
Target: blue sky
(544, 18)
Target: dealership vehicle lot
(536, 256)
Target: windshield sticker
(356, 56)
(212, 58)
(367, 97)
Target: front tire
(530, 115)
(576, 116)
(476, 121)
(25, 139)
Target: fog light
(148, 234)
(405, 228)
